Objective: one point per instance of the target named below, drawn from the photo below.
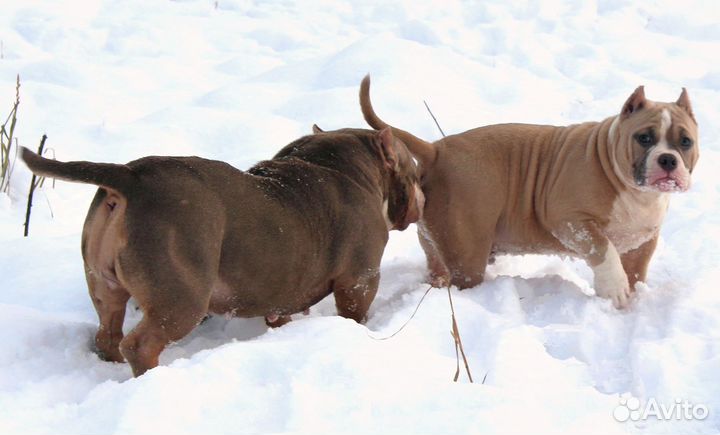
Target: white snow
(236, 80)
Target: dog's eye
(644, 139)
(686, 142)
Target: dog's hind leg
(172, 286)
(467, 260)
(143, 345)
(173, 303)
(164, 320)
(439, 274)
(110, 300)
(465, 252)
(460, 218)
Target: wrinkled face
(660, 144)
(405, 200)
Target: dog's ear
(316, 129)
(636, 102)
(684, 102)
(386, 142)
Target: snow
(236, 80)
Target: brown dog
(186, 236)
(597, 190)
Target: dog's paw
(614, 287)
(277, 320)
(438, 281)
(105, 348)
(110, 355)
(620, 297)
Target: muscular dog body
(597, 190)
(186, 236)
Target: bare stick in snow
(458, 343)
(459, 350)
(33, 185)
(6, 138)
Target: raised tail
(424, 151)
(117, 177)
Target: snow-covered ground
(238, 79)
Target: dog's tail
(424, 151)
(117, 177)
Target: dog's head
(656, 144)
(403, 200)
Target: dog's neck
(357, 160)
(599, 143)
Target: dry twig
(34, 182)
(6, 139)
(458, 343)
(459, 350)
(408, 320)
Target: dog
(186, 236)
(597, 190)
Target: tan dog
(186, 236)
(597, 190)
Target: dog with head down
(597, 191)
(186, 236)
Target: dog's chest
(635, 218)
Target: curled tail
(117, 177)
(424, 151)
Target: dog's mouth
(667, 182)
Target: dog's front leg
(585, 239)
(636, 261)
(353, 295)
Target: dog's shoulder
(332, 148)
(341, 155)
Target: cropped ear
(386, 141)
(316, 129)
(636, 102)
(684, 102)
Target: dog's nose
(667, 161)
